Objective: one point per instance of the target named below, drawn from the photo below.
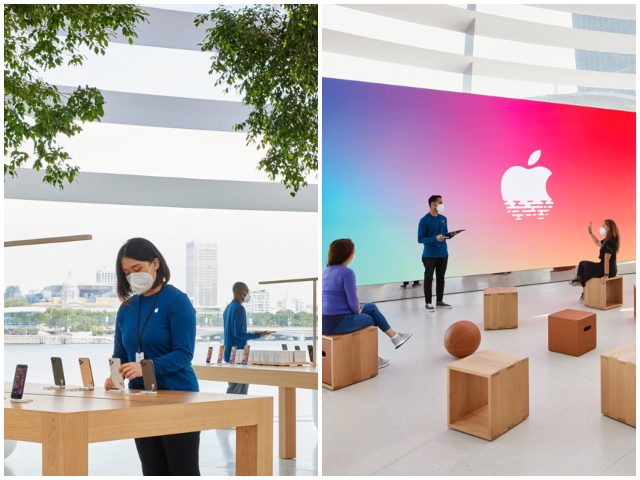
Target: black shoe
(416, 284)
(582, 296)
(575, 281)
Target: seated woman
(607, 266)
(341, 312)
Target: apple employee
(432, 233)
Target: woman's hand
(131, 370)
(440, 238)
(108, 384)
(603, 280)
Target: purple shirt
(339, 294)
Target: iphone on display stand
(232, 357)
(148, 377)
(245, 356)
(19, 380)
(116, 377)
(58, 374)
(87, 376)
(209, 353)
(221, 354)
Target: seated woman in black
(609, 247)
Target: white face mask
(440, 208)
(603, 231)
(141, 282)
(247, 298)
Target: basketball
(462, 338)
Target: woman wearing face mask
(341, 312)
(607, 266)
(156, 321)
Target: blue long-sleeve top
(168, 339)
(428, 229)
(235, 328)
(339, 296)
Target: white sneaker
(430, 308)
(401, 338)
(382, 362)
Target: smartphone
(245, 356)
(85, 371)
(284, 346)
(209, 353)
(297, 347)
(116, 377)
(149, 376)
(221, 354)
(310, 348)
(232, 356)
(58, 371)
(18, 382)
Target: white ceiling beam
(505, 28)
(357, 46)
(112, 189)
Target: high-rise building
(106, 277)
(202, 273)
(259, 302)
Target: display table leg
(65, 444)
(287, 417)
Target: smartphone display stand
(21, 400)
(79, 389)
(54, 387)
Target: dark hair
(433, 198)
(612, 232)
(145, 251)
(339, 251)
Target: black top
(610, 246)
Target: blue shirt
(339, 292)
(235, 328)
(168, 340)
(428, 229)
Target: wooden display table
(618, 384)
(604, 296)
(287, 379)
(349, 358)
(488, 393)
(66, 422)
(500, 308)
(572, 332)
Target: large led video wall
(523, 178)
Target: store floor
(396, 423)
(217, 447)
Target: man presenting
(432, 233)
(235, 330)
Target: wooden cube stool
(604, 296)
(618, 384)
(500, 308)
(572, 332)
(349, 358)
(488, 393)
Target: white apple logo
(524, 191)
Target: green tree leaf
(269, 55)
(35, 112)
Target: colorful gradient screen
(522, 178)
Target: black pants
(170, 454)
(439, 265)
(238, 388)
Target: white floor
(396, 423)
(217, 447)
